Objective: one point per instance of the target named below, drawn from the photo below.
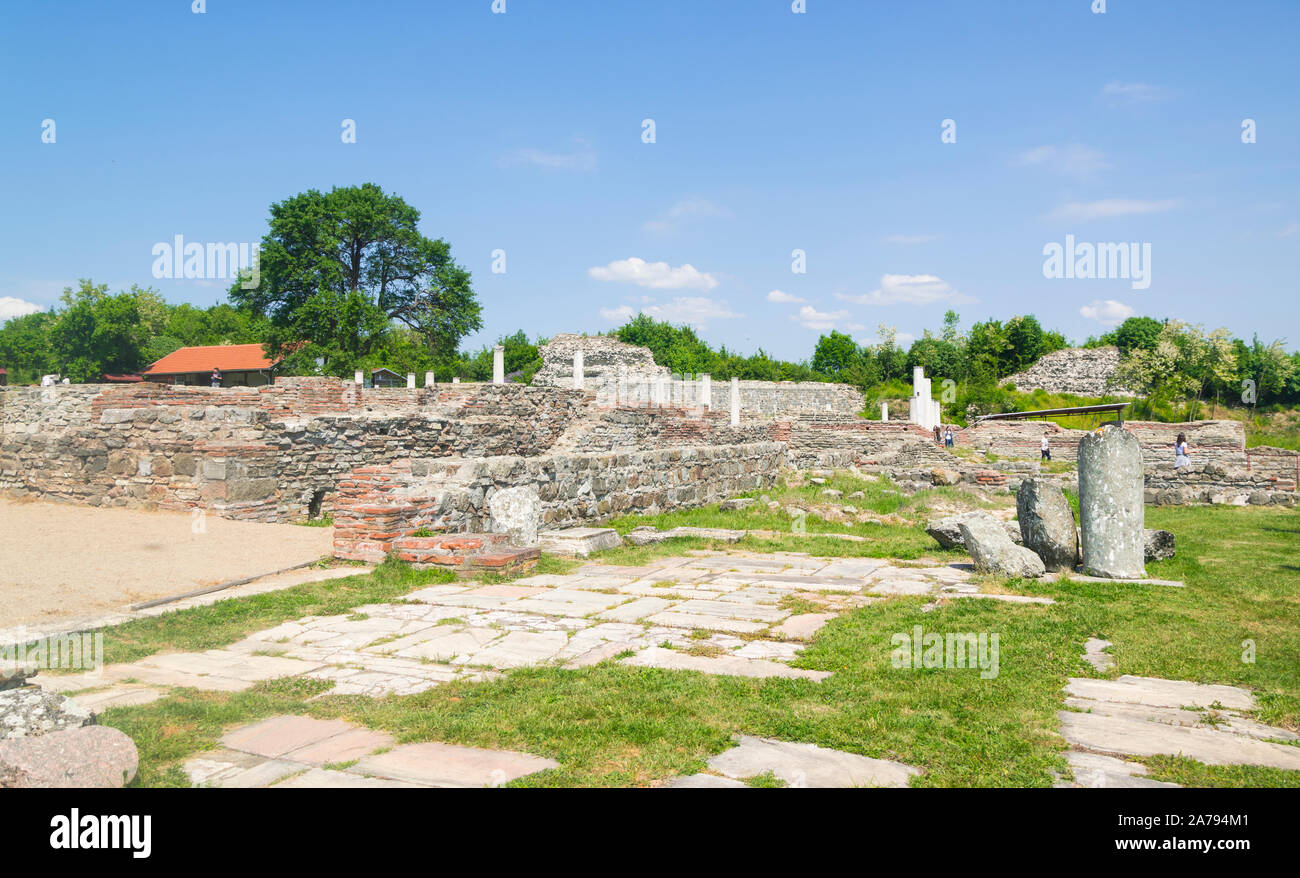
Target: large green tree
(337, 269)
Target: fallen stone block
(579, 542)
(993, 551)
(947, 531)
(90, 756)
(807, 765)
(1158, 545)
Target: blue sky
(774, 131)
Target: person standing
(947, 438)
(1180, 452)
(1046, 449)
(216, 377)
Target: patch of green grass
(324, 521)
(767, 780)
(1176, 769)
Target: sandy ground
(61, 561)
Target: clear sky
(774, 131)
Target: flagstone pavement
(712, 612)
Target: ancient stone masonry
(777, 399)
(1221, 442)
(603, 360)
(1110, 504)
(1219, 485)
(1081, 371)
(237, 454)
(378, 505)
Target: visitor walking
(947, 438)
(1180, 452)
(1046, 451)
(216, 377)
(937, 440)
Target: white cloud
(1132, 93)
(1108, 312)
(582, 158)
(696, 311)
(1289, 230)
(654, 275)
(909, 289)
(783, 298)
(810, 318)
(1109, 208)
(685, 211)
(11, 307)
(910, 239)
(1073, 160)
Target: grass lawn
(610, 725)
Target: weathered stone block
(1047, 524)
(1110, 503)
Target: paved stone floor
(1111, 722)
(711, 612)
(799, 765)
(303, 752)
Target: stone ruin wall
(379, 504)
(619, 373)
(235, 452)
(1222, 442)
(1080, 371)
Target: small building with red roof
(241, 365)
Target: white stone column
(884, 411)
(706, 392)
(455, 381)
(498, 365)
(577, 370)
(410, 380)
(429, 379)
(735, 402)
(358, 378)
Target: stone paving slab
(1125, 736)
(1107, 772)
(451, 765)
(674, 619)
(278, 735)
(329, 779)
(802, 626)
(727, 665)
(519, 648)
(636, 610)
(120, 695)
(1160, 693)
(705, 782)
(807, 765)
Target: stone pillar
(455, 381)
(884, 411)
(358, 378)
(429, 379)
(410, 380)
(706, 392)
(735, 402)
(1111, 513)
(578, 374)
(498, 365)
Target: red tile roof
(121, 379)
(227, 358)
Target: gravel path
(62, 561)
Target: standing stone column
(410, 380)
(735, 402)
(455, 380)
(884, 411)
(1110, 503)
(706, 392)
(498, 365)
(430, 379)
(358, 378)
(578, 374)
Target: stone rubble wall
(1281, 462)
(889, 444)
(1080, 371)
(1222, 442)
(378, 504)
(203, 447)
(603, 357)
(1219, 485)
(647, 429)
